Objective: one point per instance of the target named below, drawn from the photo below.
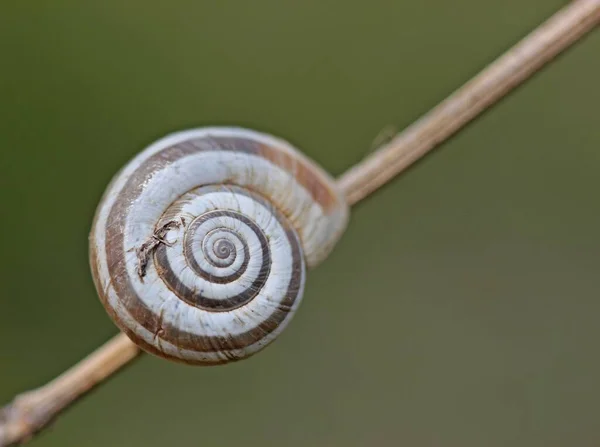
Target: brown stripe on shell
(196, 298)
(305, 173)
(115, 253)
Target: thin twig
(30, 412)
(502, 76)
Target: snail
(200, 244)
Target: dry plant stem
(31, 411)
(503, 75)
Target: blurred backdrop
(460, 308)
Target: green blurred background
(461, 307)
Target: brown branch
(502, 76)
(30, 412)
(33, 410)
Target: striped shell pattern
(200, 244)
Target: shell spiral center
(222, 258)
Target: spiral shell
(200, 244)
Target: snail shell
(200, 245)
